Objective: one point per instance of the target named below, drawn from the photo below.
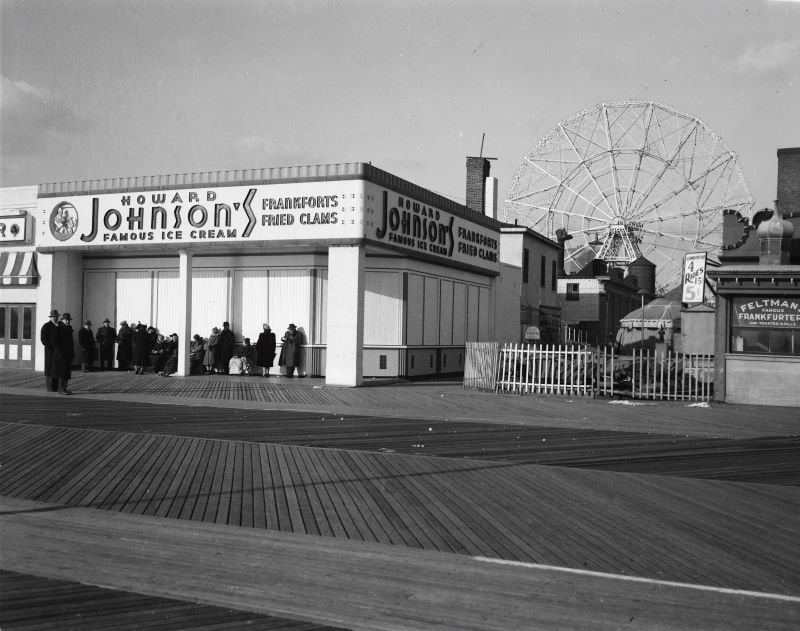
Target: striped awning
(18, 268)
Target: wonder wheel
(627, 179)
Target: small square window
(573, 291)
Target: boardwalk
(351, 534)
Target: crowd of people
(141, 348)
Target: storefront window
(766, 326)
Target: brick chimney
(789, 180)
(477, 172)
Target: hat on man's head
(66, 316)
(292, 326)
(106, 321)
(226, 324)
(54, 314)
(89, 322)
(124, 323)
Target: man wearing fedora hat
(63, 353)
(46, 337)
(106, 336)
(87, 346)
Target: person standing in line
(248, 356)
(290, 351)
(225, 343)
(265, 350)
(210, 359)
(88, 350)
(124, 346)
(141, 349)
(106, 336)
(197, 353)
(46, 337)
(63, 353)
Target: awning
(18, 268)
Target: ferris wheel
(630, 179)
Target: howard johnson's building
(382, 277)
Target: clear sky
(110, 88)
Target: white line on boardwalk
(638, 579)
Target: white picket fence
(578, 370)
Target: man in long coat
(225, 342)
(106, 336)
(63, 353)
(124, 346)
(45, 335)
(87, 346)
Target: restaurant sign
(298, 211)
(775, 313)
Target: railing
(650, 374)
(545, 369)
(480, 365)
(586, 371)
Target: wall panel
(289, 300)
(446, 313)
(472, 313)
(134, 297)
(414, 310)
(483, 314)
(430, 326)
(459, 313)
(168, 307)
(383, 308)
(99, 289)
(210, 290)
(250, 303)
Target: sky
(95, 89)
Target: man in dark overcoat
(124, 346)
(87, 346)
(63, 353)
(106, 336)
(45, 335)
(225, 342)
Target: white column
(344, 360)
(185, 324)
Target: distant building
(595, 299)
(529, 275)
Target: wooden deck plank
(363, 585)
(210, 462)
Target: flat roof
(269, 175)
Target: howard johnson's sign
(338, 211)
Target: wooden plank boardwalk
(38, 603)
(357, 584)
(762, 459)
(647, 526)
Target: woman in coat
(208, 360)
(124, 346)
(290, 351)
(141, 349)
(265, 350)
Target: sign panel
(13, 228)
(233, 214)
(408, 224)
(694, 277)
(774, 313)
(533, 333)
